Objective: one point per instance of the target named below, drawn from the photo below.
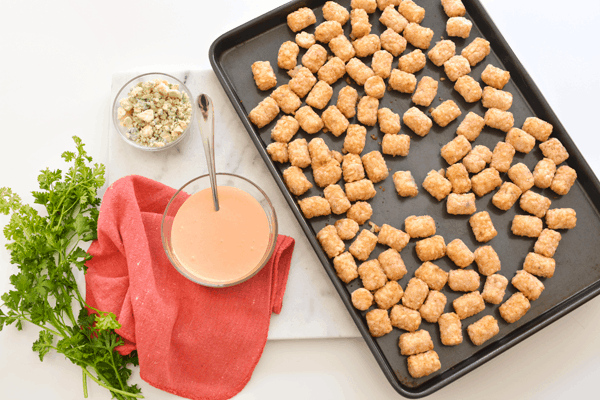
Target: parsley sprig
(45, 248)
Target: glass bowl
(201, 183)
(127, 133)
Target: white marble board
(311, 306)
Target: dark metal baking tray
(577, 277)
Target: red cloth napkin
(193, 341)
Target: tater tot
(561, 218)
(483, 330)
(459, 253)
(514, 308)
(305, 39)
(381, 65)
(417, 121)
(375, 87)
(314, 58)
(309, 120)
(415, 342)
(360, 23)
(477, 159)
(296, 181)
(520, 140)
(392, 42)
(468, 305)
(543, 174)
(415, 293)
(539, 129)
(287, 55)
(458, 27)
(314, 206)
(301, 18)
(319, 152)
(442, 52)
(494, 98)
(337, 156)
(417, 35)
(426, 91)
(412, 62)
(389, 121)
(328, 30)
(286, 99)
(332, 71)
(431, 274)
(368, 5)
(476, 51)
(358, 71)
(395, 238)
(411, 11)
(362, 299)
(298, 153)
(454, 8)
(431, 248)
(563, 180)
(528, 284)
(375, 166)
(383, 4)
(346, 228)
(499, 119)
(539, 265)
(278, 152)
(366, 45)
(534, 203)
(346, 102)
(393, 19)
(445, 113)
(433, 307)
(371, 274)
(506, 197)
(456, 149)
(450, 329)
(388, 295)
(487, 260)
(402, 81)
(495, 77)
(333, 11)
(320, 95)
(334, 120)
(331, 242)
(463, 280)
(423, 364)
(264, 112)
(342, 48)
(456, 67)
(264, 76)
(547, 243)
(502, 156)
(437, 186)
(302, 82)
(554, 150)
(405, 184)
(379, 323)
(352, 168)
(395, 145)
(494, 288)
(360, 212)
(328, 173)
(458, 176)
(521, 176)
(354, 141)
(468, 88)
(419, 227)
(461, 204)
(482, 226)
(337, 199)
(392, 264)
(485, 181)
(405, 318)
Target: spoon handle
(206, 122)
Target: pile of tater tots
(474, 170)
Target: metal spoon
(206, 122)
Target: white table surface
(57, 60)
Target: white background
(56, 62)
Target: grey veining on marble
(311, 306)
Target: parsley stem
(42, 326)
(112, 389)
(84, 377)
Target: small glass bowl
(123, 92)
(201, 183)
